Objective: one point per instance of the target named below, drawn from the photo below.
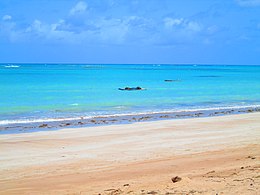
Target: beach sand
(214, 155)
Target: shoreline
(211, 155)
(28, 127)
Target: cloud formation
(248, 3)
(180, 30)
(170, 22)
(6, 17)
(162, 30)
(85, 24)
(79, 8)
(184, 24)
(89, 29)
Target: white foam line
(24, 121)
(12, 66)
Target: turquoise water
(42, 92)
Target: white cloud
(79, 8)
(112, 30)
(180, 23)
(248, 3)
(56, 26)
(46, 31)
(36, 26)
(181, 31)
(193, 26)
(109, 30)
(7, 17)
(170, 22)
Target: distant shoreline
(67, 63)
(57, 124)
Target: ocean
(58, 92)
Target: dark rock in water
(43, 125)
(131, 88)
(164, 116)
(171, 80)
(64, 124)
(176, 179)
(144, 118)
(80, 123)
(198, 114)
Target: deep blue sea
(49, 92)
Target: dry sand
(216, 155)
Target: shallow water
(50, 92)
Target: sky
(130, 31)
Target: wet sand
(25, 126)
(213, 155)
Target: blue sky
(130, 31)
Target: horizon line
(87, 63)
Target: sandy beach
(213, 155)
